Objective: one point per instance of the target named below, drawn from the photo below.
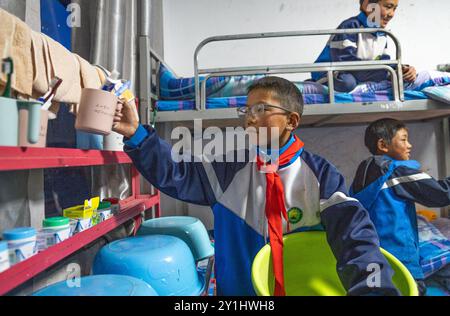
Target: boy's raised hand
(409, 73)
(125, 120)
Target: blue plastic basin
(189, 229)
(99, 285)
(164, 262)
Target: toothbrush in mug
(8, 69)
(48, 97)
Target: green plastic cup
(310, 269)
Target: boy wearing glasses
(257, 201)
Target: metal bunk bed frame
(331, 113)
(314, 114)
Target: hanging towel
(101, 75)
(90, 78)
(41, 65)
(15, 42)
(89, 74)
(65, 66)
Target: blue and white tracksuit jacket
(388, 189)
(354, 47)
(236, 194)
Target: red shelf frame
(21, 158)
(18, 158)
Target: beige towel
(65, 66)
(101, 75)
(89, 74)
(90, 78)
(15, 41)
(41, 65)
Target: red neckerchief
(275, 208)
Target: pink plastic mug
(96, 111)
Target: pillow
(441, 93)
(173, 88)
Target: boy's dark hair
(284, 91)
(370, 1)
(384, 129)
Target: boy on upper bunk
(366, 47)
(263, 197)
(388, 184)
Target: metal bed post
(331, 85)
(446, 166)
(145, 82)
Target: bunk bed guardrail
(396, 74)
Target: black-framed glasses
(258, 109)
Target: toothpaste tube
(124, 92)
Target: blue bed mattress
(233, 102)
(229, 92)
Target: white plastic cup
(59, 226)
(103, 215)
(115, 205)
(44, 240)
(79, 224)
(113, 142)
(104, 212)
(4, 256)
(21, 244)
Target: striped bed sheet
(230, 93)
(234, 102)
(434, 248)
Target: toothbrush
(46, 106)
(48, 97)
(8, 69)
(54, 84)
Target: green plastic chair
(310, 269)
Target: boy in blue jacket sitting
(252, 204)
(362, 47)
(388, 184)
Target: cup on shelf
(96, 111)
(80, 218)
(113, 142)
(55, 230)
(21, 243)
(23, 123)
(115, 205)
(103, 213)
(9, 121)
(4, 256)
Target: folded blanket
(15, 42)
